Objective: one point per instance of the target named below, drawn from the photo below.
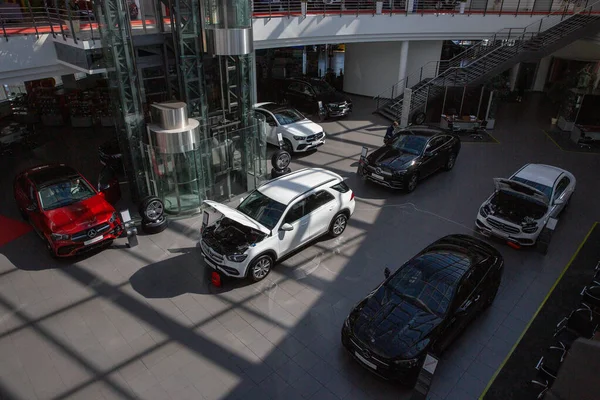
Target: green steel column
(115, 30)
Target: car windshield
(289, 116)
(547, 190)
(430, 280)
(410, 144)
(64, 193)
(261, 208)
(322, 87)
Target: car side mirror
(32, 207)
(428, 154)
(272, 124)
(286, 227)
(462, 310)
(558, 202)
(387, 272)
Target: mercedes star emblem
(91, 233)
(378, 170)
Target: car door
(431, 157)
(560, 193)
(320, 208)
(295, 216)
(34, 214)
(464, 308)
(271, 128)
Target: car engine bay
(515, 209)
(229, 237)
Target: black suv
(305, 95)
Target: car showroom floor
(146, 323)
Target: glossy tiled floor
(146, 323)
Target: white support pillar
(514, 73)
(542, 74)
(403, 60)
(406, 100)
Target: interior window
(435, 143)
(295, 212)
(560, 188)
(318, 199)
(307, 90)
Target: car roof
(540, 173)
(44, 174)
(290, 186)
(270, 106)
(424, 130)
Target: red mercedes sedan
(68, 213)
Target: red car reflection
(65, 210)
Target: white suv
(521, 206)
(299, 133)
(274, 220)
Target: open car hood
(522, 190)
(237, 216)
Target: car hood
(78, 216)
(303, 128)
(333, 97)
(388, 156)
(392, 326)
(237, 216)
(520, 189)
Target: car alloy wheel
(151, 209)
(338, 225)
(412, 183)
(450, 162)
(281, 160)
(260, 268)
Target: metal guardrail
(502, 38)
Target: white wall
(314, 29)
(25, 58)
(421, 52)
(370, 68)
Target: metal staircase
(487, 59)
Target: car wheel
(419, 118)
(276, 173)
(450, 162)
(338, 225)
(151, 209)
(287, 146)
(152, 227)
(412, 182)
(260, 268)
(280, 160)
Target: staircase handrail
(496, 36)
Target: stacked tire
(280, 161)
(152, 211)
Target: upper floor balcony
(282, 19)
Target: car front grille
(363, 351)
(311, 138)
(211, 254)
(320, 135)
(502, 226)
(88, 234)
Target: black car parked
(423, 306)
(413, 154)
(305, 95)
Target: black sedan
(413, 154)
(423, 306)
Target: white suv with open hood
(522, 205)
(274, 220)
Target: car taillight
(351, 195)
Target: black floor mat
(513, 380)
(563, 140)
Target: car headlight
(407, 363)
(59, 236)
(400, 172)
(298, 137)
(237, 257)
(484, 211)
(113, 217)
